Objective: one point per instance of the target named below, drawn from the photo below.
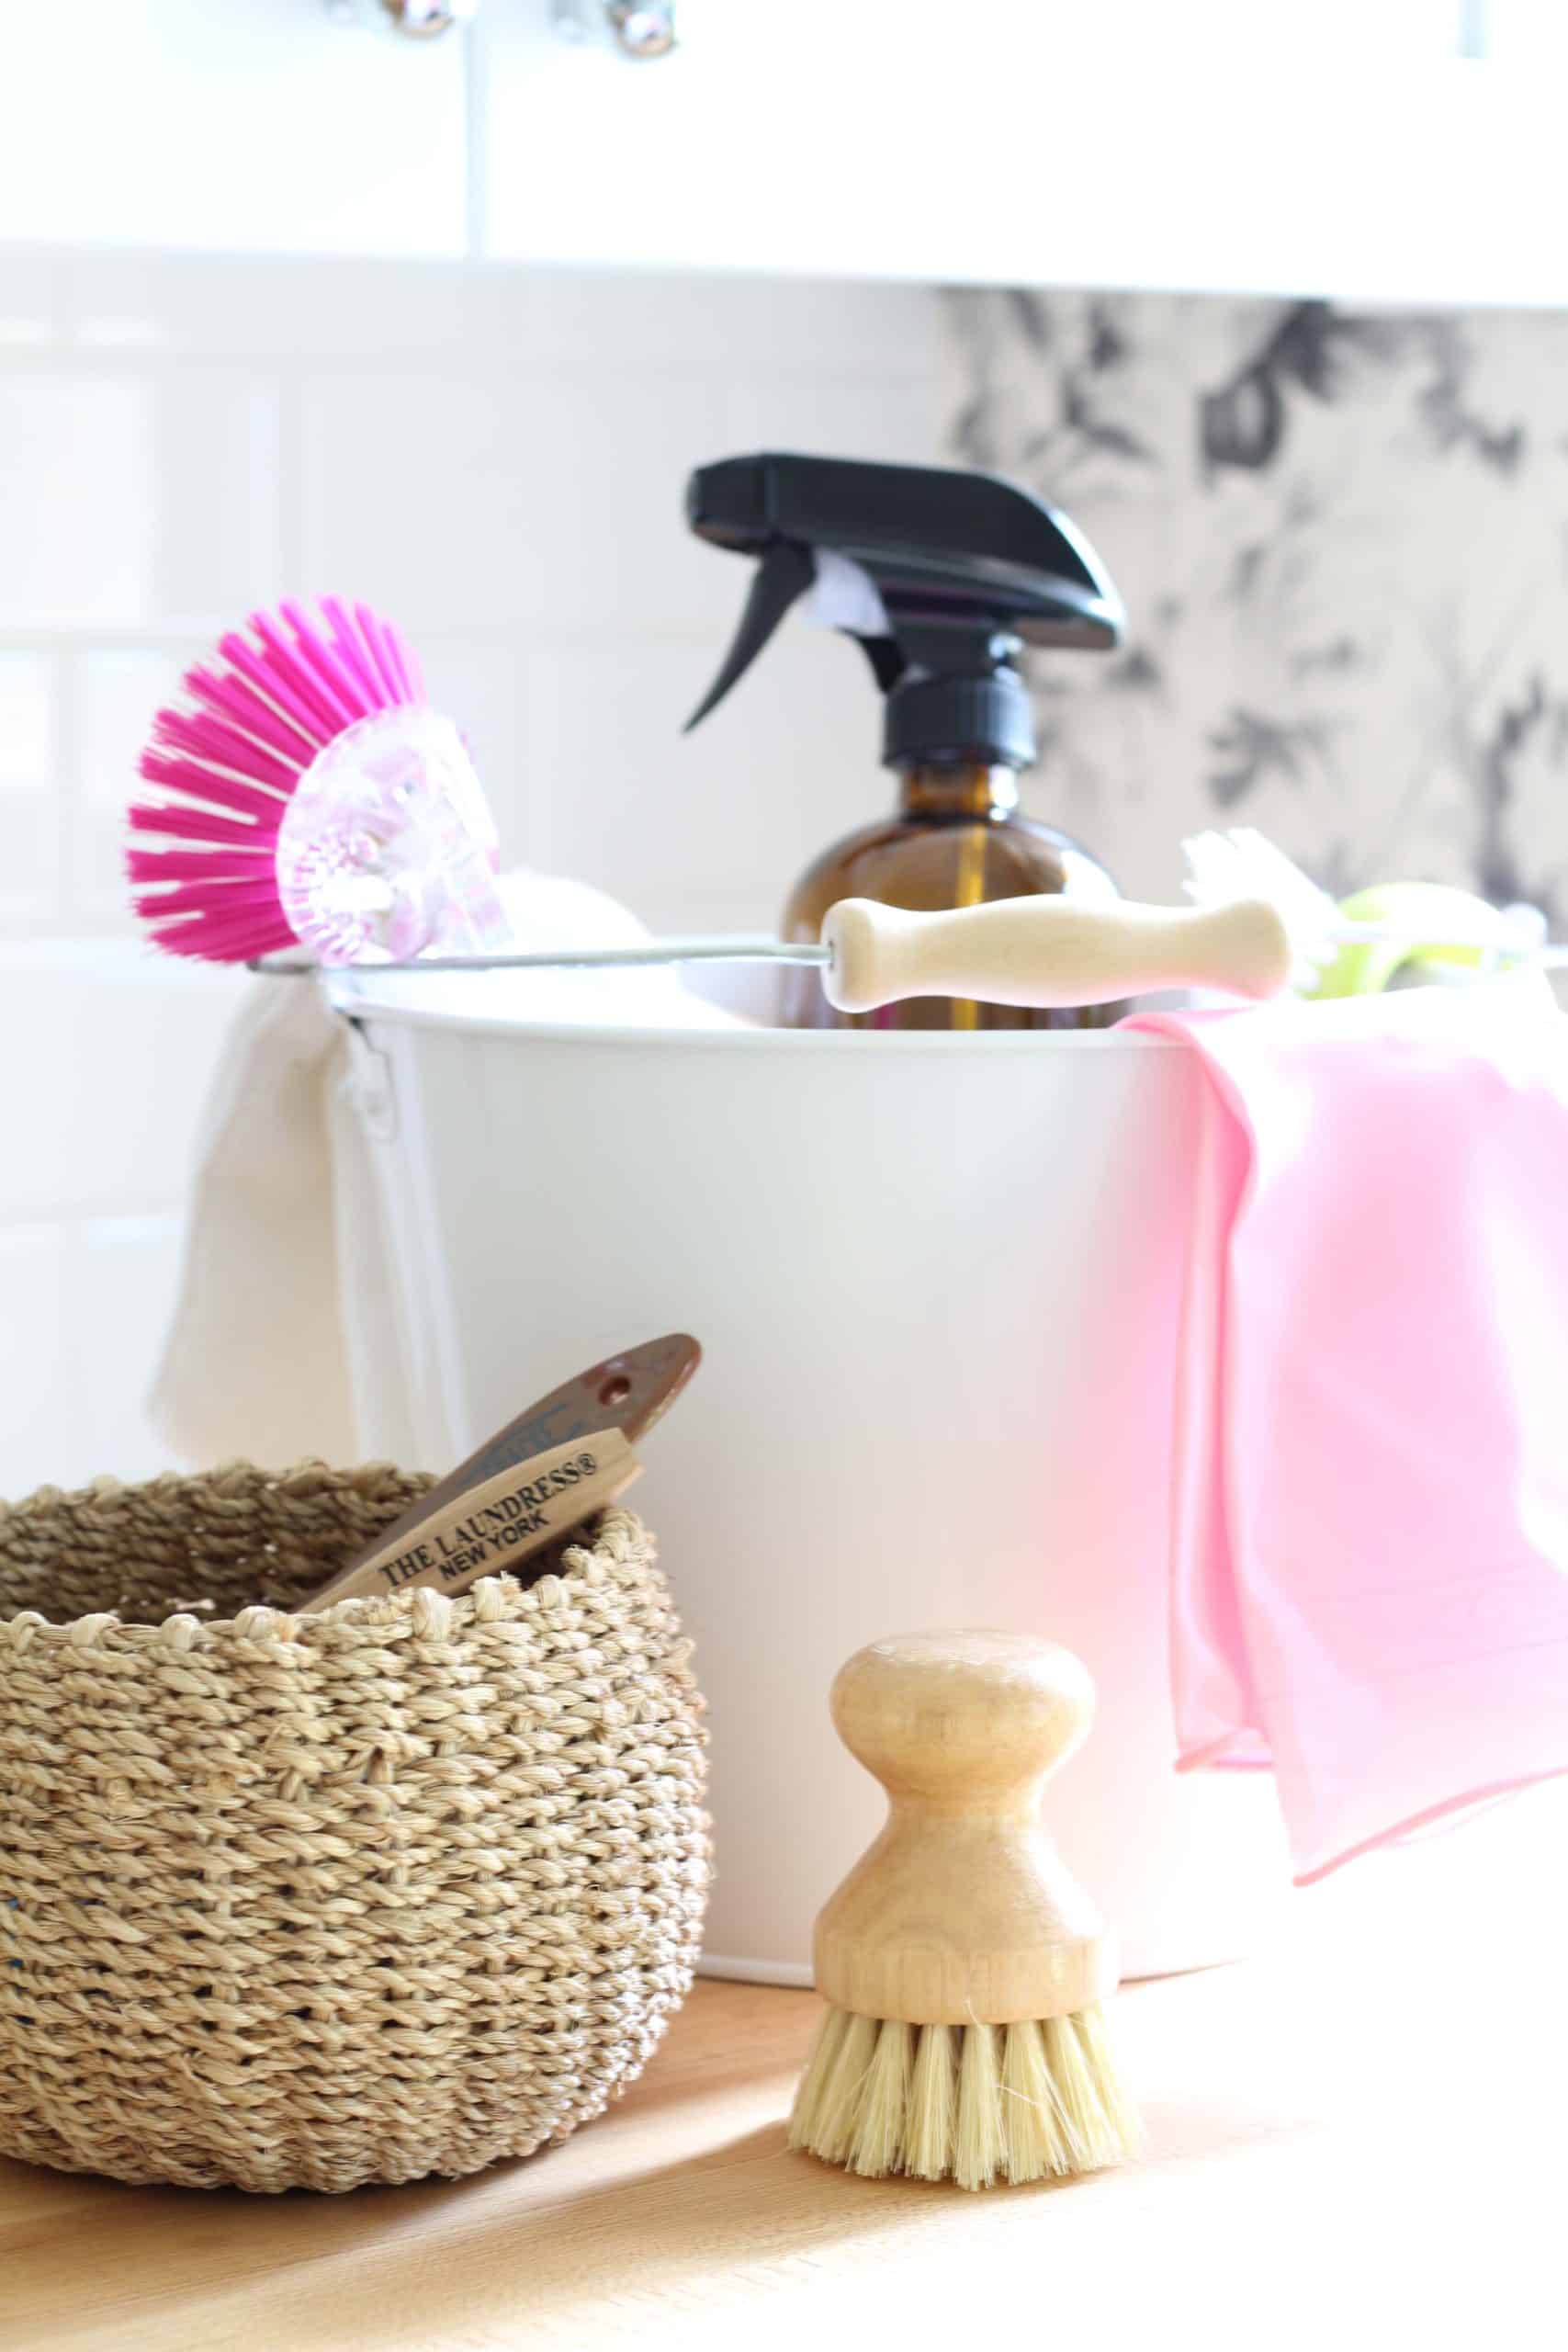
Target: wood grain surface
(963, 1911)
(1355, 2141)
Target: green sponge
(1435, 924)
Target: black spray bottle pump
(941, 576)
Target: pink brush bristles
(266, 706)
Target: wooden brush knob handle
(962, 1912)
(977, 1719)
(1044, 950)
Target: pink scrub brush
(315, 797)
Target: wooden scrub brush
(963, 1968)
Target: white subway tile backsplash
(210, 308)
(496, 456)
(605, 468)
(656, 322)
(707, 829)
(32, 809)
(509, 501)
(887, 420)
(37, 1412)
(79, 496)
(479, 319)
(27, 722)
(118, 330)
(485, 686)
(111, 1046)
(94, 857)
(114, 692)
(119, 1276)
(408, 494)
(218, 471)
(32, 283)
(30, 830)
(84, 1309)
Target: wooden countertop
(1354, 2139)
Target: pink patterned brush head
(312, 797)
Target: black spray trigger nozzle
(937, 574)
(782, 578)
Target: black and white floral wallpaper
(1343, 542)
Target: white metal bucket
(937, 1281)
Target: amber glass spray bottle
(940, 575)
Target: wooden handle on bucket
(1044, 950)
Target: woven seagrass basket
(286, 1901)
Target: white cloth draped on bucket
(285, 1221)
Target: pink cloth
(1371, 1572)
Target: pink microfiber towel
(1371, 1572)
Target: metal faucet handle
(420, 19)
(642, 28)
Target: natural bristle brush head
(312, 797)
(963, 1968)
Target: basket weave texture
(395, 1888)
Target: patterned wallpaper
(1343, 542)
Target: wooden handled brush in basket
(965, 1968)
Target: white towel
(257, 1359)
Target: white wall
(497, 460)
